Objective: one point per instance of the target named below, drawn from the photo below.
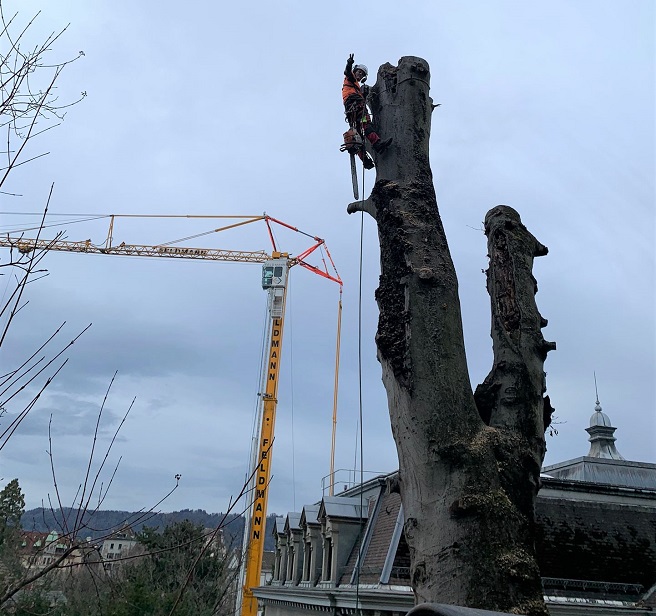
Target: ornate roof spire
(602, 441)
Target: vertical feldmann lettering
(259, 513)
(276, 332)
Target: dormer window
(341, 520)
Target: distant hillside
(97, 524)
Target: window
(307, 560)
(328, 560)
(290, 564)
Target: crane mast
(274, 281)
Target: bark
(468, 466)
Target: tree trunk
(469, 465)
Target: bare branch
(28, 87)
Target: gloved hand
(349, 66)
(365, 90)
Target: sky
(209, 108)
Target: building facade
(596, 542)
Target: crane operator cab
(274, 280)
(274, 273)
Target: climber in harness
(357, 115)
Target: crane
(275, 271)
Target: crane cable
(290, 324)
(256, 422)
(252, 457)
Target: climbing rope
(353, 124)
(360, 404)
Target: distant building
(596, 542)
(117, 547)
(39, 550)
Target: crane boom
(136, 250)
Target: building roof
(596, 541)
(279, 527)
(375, 541)
(310, 514)
(293, 521)
(343, 507)
(579, 540)
(600, 470)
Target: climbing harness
(354, 141)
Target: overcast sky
(216, 109)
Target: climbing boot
(381, 145)
(367, 162)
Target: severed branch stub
(365, 205)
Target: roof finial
(602, 441)
(597, 405)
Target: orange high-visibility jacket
(351, 87)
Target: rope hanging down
(360, 405)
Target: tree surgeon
(354, 94)
(469, 463)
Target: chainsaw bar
(354, 177)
